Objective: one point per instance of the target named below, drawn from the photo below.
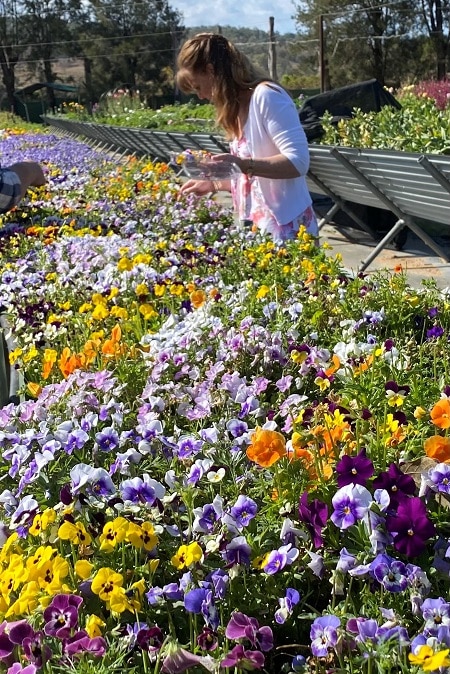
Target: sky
(237, 13)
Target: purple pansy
(357, 469)
(239, 658)
(287, 604)
(398, 485)
(410, 527)
(315, 516)
(351, 504)
(61, 616)
(324, 635)
(390, 573)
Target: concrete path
(417, 260)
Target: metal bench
(409, 185)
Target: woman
(267, 141)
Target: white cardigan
(273, 127)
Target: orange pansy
(440, 414)
(438, 447)
(266, 447)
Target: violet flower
(287, 604)
(278, 559)
(240, 658)
(315, 516)
(351, 504)
(61, 616)
(410, 527)
(398, 485)
(242, 626)
(390, 573)
(357, 469)
(324, 635)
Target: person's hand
(198, 187)
(227, 161)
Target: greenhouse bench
(411, 186)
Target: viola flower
(142, 490)
(187, 555)
(398, 485)
(440, 414)
(243, 511)
(410, 527)
(266, 447)
(315, 516)
(61, 616)
(238, 551)
(241, 626)
(287, 604)
(324, 635)
(438, 478)
(278, 559)
(357, 469)
(396, 394)
(428, 659)
(351, 504)
(436, 614)
(81, 643)
(438, 447)
(239, 658)
(390, 573)
(207, 640)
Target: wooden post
(272, 60)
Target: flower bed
(228, 456)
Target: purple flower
(435, 332)
(436, 613)
(207, 639)
(315, 516)
(150, 639)
(61, 616)
(351, 504)
(81, 643)
(277, 559)
(238, 551)
(439, 478)
(410, 527)
(181, 660)
(398, 485)
(390, 573)
(107, 440)
(287, 604)
(241, 659)
(138, 490)
(324, 635)
(17, 668)
(357, 469)
(242, 626)
(243, 511)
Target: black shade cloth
(369, 96)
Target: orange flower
(198, 298)
(440, 414)
(266, 447)
(438, 447)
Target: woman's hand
(198, 187)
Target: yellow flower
(124, 264)
(262, 292)
(75, 533)
(83, 569)
(428, 660)
(187, 555)
(147, 311)
(113, 533)
(42, 521)
(94, 625)
(105, 582)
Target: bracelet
(250, 167)
(217, 185)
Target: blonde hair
(233, 73)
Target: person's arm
(30, 174)
(203, 187)
(276, 112)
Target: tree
(360, 37)
(131, 44)
(436, 16)
(10, 51)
